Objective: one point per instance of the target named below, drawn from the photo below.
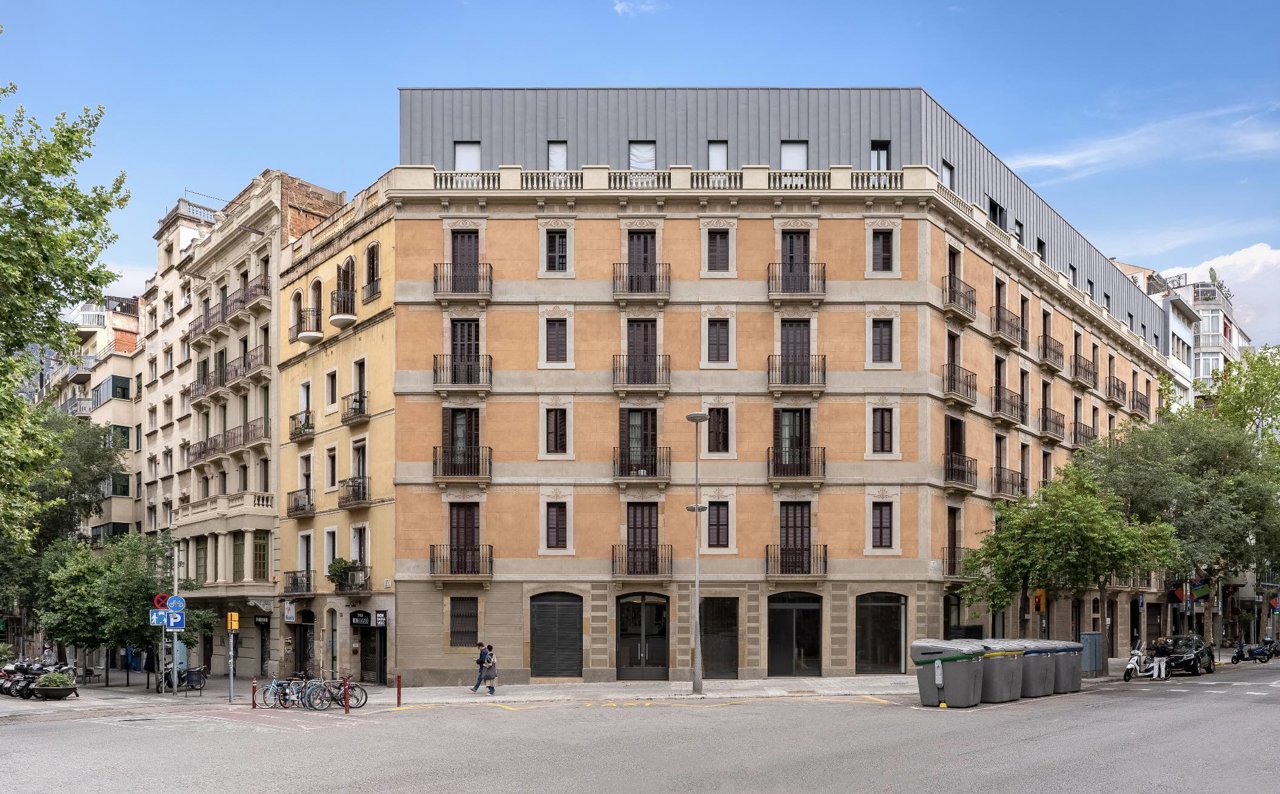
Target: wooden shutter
(718, 250)
(882, 525)
(882, 341)
(718, 525)
(557, 339)
(882, 251)
(557, 435)
(718, 430)
(882, 430)
(718, 339)
(557, 525)
(557, 250)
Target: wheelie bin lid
(1004, 647)
(929, 651)
(1039, 647)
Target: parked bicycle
(321, 695)
(191, 679)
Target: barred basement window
(464, 622)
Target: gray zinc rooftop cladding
(514, 124)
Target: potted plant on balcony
(341, 570)
(56, 686)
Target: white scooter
(1140, 665)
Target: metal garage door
(555, 635)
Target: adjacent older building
(1181, 322)
(886, 330)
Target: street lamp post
(697, 508)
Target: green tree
(1068, 537)
(1247, 393)
(1205, 475)
(27, 452)
(74, 614)
(135, 569)
(70, 489)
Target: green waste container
(948, 672)
(1067, 671)
(1002, 670)
(1038, 668)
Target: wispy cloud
(627, 8)
(1253, 274)
(1142, 242)
(1240, 131)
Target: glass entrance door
(642, 638)
(880, 633)
(795, 634)
(719, 622)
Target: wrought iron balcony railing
(641, 560)
(784, 560)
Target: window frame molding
(545, 402)
(718, 312)
(730, 403)
(880, 223)
(728, 223)
(555, 493)
(884, 312)
(560, 312)
(557, 222)
(892, 495)
(729, 494)
(894, 404)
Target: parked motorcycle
(188, 678)
(1140, 665)
(1256, 653)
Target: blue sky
(1153, 127)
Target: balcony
(959, 474)
(797, 465)
(299, 582)
(641, 562)
(232, 439)
(355, 408)
(234, 311)
(959, 300)
(342, 308)
(462, 282)
(1007, 483)
(255, 365)
(354, 581)
(462, 374)
(257, 294)
(371, 290)
(641, 374)
(1052, 426)
(300, 504)
(76, 406)
(466, 180)
(1140, 404)
(354, 492)
(1116, 392)
(1007, 407)
(462, 563)
(791, 374)
(651, 466)
(953, 562)
(797, 282)
(641, 282)
(795, 562)
(1006, 328)
(80, 370)
(1084, 372)
(307, 328)
(959, 386)
(799, 180)
(1050, 354)
(1082, 434)
(302, 426)
(551, 180)
(461, 464)
(257, 432)
(202, 451)
(204, 385)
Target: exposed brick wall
(306, 205)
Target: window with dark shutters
(464, 622)
(882, 251)
(882, 430)
(718, 525)
(882, 525)
(718, 250)
(882, 341)
(718, 339)
(557, 339)
(718, 430)
(557, 250)
(557, 525)
(557, 431)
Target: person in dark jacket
(489, 670)
(481, 661)
(1160, 655)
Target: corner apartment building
(887, 329)
(1219, 339)
(1181, 322)
(225, 527)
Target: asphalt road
(1186, 734)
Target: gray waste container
(948, 672)
(1067, 672)
(1038, 668)
(1002, 670)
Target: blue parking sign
(176, 621)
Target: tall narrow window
(1018, 231)
(995, 212)
(882, 430)
(879, 156)
(466, 156)
(717, 155)
(948, 175)
(557, 339)
(882, 525)
(882, 341)
(557, 431)
(718, 430)
(1073, 275)
(557, 156)
(557, 525)
(1042, 250)
(882, 250)
(718, 339)
(717, 525)
(718, 250)
(331, 468)
(464, 616)
(557, 250)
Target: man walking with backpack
(481, 661)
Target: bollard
(397, 691)
(253, 695)
(346, 697)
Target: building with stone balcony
(225, 526)
(1181, 322)
(887, 330)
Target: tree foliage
(1068, 537)
(1247, 393)
(74, 613)
(27, 452)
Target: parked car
(1190, 654)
